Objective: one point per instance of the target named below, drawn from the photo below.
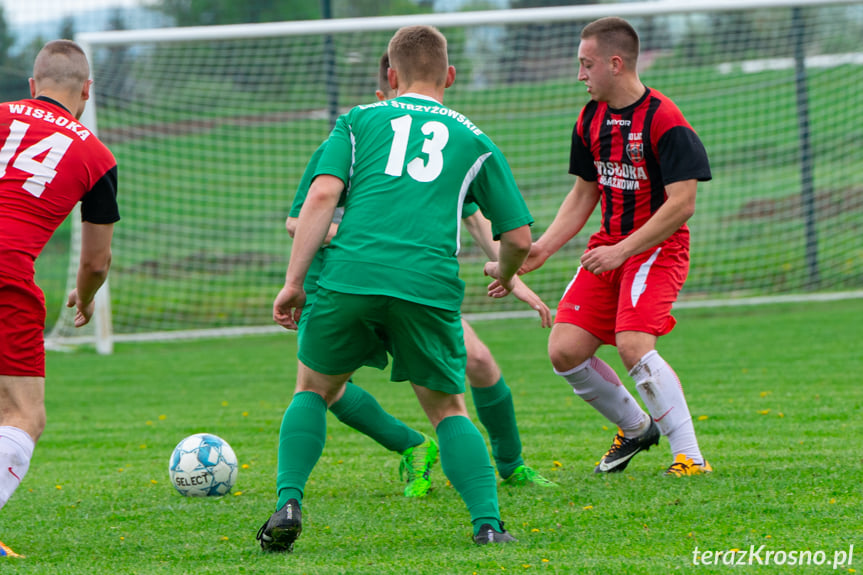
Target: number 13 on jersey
(433, 145)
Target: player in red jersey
(635, 154)
(48, 163)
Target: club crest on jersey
(635, 151)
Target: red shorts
(636, 296)
(22, 326)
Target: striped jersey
(633, 153)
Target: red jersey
(633, 153)
(48, 162)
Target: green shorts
(343, 332)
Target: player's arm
(677, 209)
(291, 226)
(570, 219)
(513, 249)
(313, 224)
(93, 269)
(480, 228)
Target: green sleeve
(468, 209)
(497, 194)
(306, 181)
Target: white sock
(661, 392)
(16, 450)
(597, 384)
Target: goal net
(212, 128)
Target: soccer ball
(203, 464)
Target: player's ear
(450, 76)
(85, 91)
(616, 65)
(393, 79)
(32, 88)
(380, 95)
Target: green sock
(496, 412)
(464, 459)
(301, 442)
(359, 409)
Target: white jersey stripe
(465, 184)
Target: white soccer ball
(203, 464)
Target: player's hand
(602, 259)
(84, 311)
(497, 288)
(525, 294)
(535, 259)
(289, 306)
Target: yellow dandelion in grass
(852, 570)
(526, 565)
(225, 538)
(605, 428)
(764, 411)
(122, 538)
(149, 422)
(765, 393)
(120, 470)
(59, 486)
(768, 536)
(780, 414)
(245, 414)
(534, 530)
(143, 446)
(245, 466)
(545, 560)
(556, 463)
(832, 500)
(587, 507)
(702, 418)
(154, 482)
(163, 417)
(340, 461)
(237, 493)
(224, 404)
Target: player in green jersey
(390, 274)
(491, 395)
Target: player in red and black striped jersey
(635, 155)
(48, 163)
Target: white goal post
(212, 127)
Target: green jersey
(409, 165)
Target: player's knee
(481, 366)
(631, 351)
(564, 357)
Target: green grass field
(775, 391)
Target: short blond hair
(61, 64)
(418, 54)
(614, 36)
